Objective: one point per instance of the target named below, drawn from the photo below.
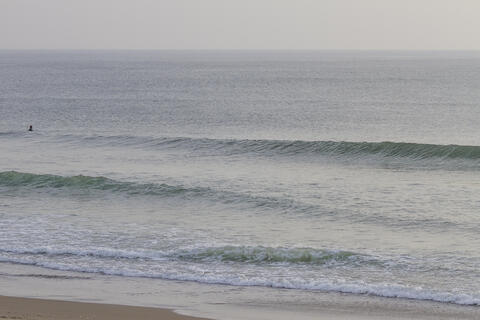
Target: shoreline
(21, 308)
(32, 308)
(34, 293)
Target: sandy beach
(36, 309)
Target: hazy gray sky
(240, 24)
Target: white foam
(289, 282)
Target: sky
(241, 24)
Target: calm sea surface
(354, 172)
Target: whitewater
(343, 172)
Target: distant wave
(386, 149)
(13, 133)
(253, 256)
(398, 152)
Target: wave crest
(260, 254)
(289, 147)
(226, 254)
(80, 182)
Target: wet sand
(15, 308)
(40, 309)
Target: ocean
(321, 172)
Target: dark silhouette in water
(30, 128)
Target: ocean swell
(91, 185)
(97, 186)
(384, 149)
(15, 179)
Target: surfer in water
(30, 128)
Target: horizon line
(233, 49)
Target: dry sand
(39, 309)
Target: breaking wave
(206, 268)
(238, 254)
